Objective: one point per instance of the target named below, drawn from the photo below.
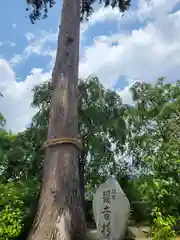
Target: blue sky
(17, 26)
(144, 44)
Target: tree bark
(82, 182)
(60, 214)
(82, 162)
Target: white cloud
(145, 53)
(149, 51)
(14, 25)
(17, 58)
(36, 45)
(125, 93)
(102, 15)
(11, 44)
(15, 105)
(29, 36)
(42, 44)
(155, 8)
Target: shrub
(163, 227)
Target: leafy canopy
(39, 8)
(101, 124)
(154, 142)
(148, 131)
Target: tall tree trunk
(60, 215)
(82, 182)
(82, 162)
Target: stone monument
(111, 210)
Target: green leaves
(2, 118)
(11, 211)
(154, 142)
(154, 119)
(11, 222)
(101, 123)
(163, 227)
(40, 9)
(18, 202)
(148, 131)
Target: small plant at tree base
(163, 227)
(13, 208)
(11, 222)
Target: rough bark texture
(60, 215)
(82, 161)
(82, 182)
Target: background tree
(2, 119)
(153, 141)
(39, 9)
(153, 119)
(17, 193)
(103, 136)
(101, 126)
(155, 180)
(64, 109)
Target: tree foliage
(39, 8)
(2, 119)
(154, 141)
(148, 131)
(101, 124)
(101, 128)
(154, 119)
